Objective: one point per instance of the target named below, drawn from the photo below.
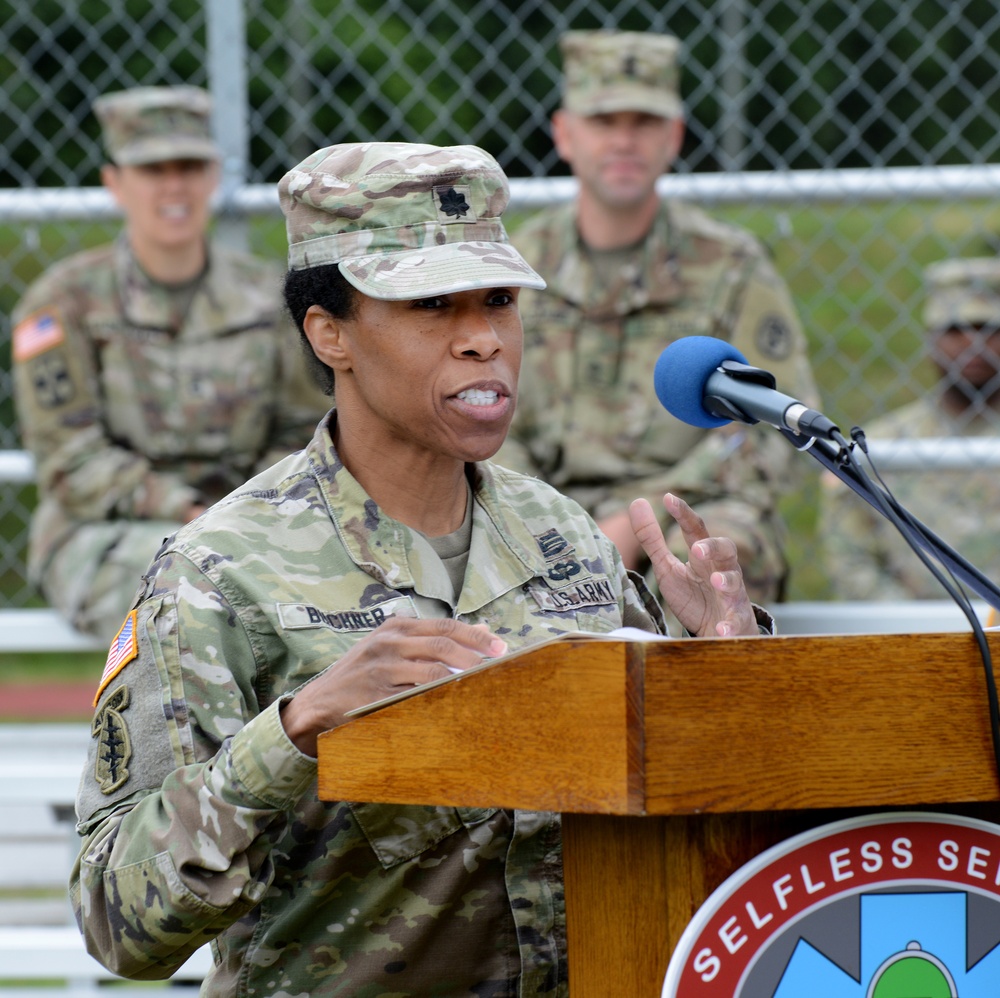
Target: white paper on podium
(620, 634)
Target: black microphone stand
(837, 457)
(832, 457)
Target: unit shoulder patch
(51, 379)
(774, 337)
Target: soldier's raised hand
(705, 593)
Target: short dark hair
(326, 287)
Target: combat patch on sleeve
(114, 748)
(124, 648)
(774, 337)
(39, 332)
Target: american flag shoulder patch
(124, 648)
(39, 332)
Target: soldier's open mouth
(477, 396)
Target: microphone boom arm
(828, 454)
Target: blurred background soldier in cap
(153, 375)
(627, 274)
(866, 557)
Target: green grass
(51, 667)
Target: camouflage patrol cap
(608, 71)
(154, 124)
(962, 293)
(403, 220)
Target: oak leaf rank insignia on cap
(403, 220)
(454, 203)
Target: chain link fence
(882, 120)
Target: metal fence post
(227, 74)
(733, 79)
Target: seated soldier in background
(866, 556)
(627, 274)
(152, 375)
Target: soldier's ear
(675, 132)
(561, 136)
(110, 180)
(326, 336)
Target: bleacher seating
(41, 950)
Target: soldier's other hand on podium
(706, 593)
(400, 653)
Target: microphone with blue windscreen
(707, 382)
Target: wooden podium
(675, 762)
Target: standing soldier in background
(153, 375)
(627, 274)
(866, 557)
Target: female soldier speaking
(386, 554)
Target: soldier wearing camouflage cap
(866, 557)
(962, 295)
(152, 375)
(156, 125)
(609, 71)
(627, 274)
(389, 552)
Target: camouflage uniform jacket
(210, 827)
(588, 420)
(865, 555)
(135, 413)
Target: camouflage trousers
(92, 579)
